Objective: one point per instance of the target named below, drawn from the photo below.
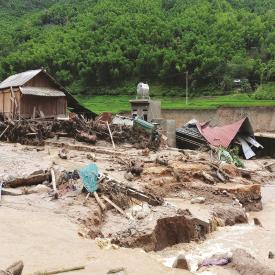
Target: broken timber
(27, 181)
(110, 186)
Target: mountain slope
(92, 43)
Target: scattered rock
(63, 153)
(237, 203)
(230, 215)
(129, 176)
(136, 167)
(225, 193)
(120, 270)
(181, 262)
(140, 212)
(15, 269)
(198, 200)
(145, 152)
(257, 222)
(162, 160)
(91, 157)
(270, 255)
(246, 264)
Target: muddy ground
(198, 208)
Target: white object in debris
(248, 152)
(141, 211)
(198, 200)
(254, 142)
(143, 90)
(122, 120)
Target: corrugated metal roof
(223, 136)
(41, 91)
(19, 79)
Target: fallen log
(63, 270)
(27, 181)
(85, 137)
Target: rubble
(36, 131)
(240, 135)
(128, 202)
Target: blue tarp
(89, 176)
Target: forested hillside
(90, 44)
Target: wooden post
(111, 135)
(54, 183)
(1, 185)
(34, 112)
(100, 203)
(5, 131)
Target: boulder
(181, 262)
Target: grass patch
(120, 103)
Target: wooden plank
(116, 207)
(111, 135)
(5, 131)
(100, 203)
(54, 183)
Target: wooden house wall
(41, 80)
(7, 106)
(50, 106)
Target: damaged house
(34, 94)
(195, 135)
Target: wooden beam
(116, 207)
(111, 135)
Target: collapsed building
(195, 135)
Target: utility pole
(186, 86)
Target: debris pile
(36, 131)
(195, 135)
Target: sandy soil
(45, 240)
(44, 233)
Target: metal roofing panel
(223, 136)
(19, 79)
(41, 91)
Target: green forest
(108, 46)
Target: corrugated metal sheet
(39, 91)
(19, 79)
(223, 136)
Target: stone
(41, 188)
(225, 193)
(230, 215)
(270, 255)
(129, 176)
(257, 222)
(181, 262)
(198, 200)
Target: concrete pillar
(169, 130)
